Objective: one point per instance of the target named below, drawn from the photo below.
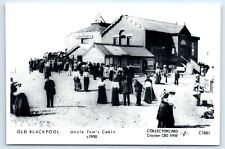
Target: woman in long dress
(158, 76)
(165, 112)
(115, 93)
(149, 92)
(86, 80)
(76, 79)
(102, 99)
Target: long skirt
(149, 95)
(21, 105)
(115, 97)
(86, 83)
(157, 79)
(165, 116)
(102, 95)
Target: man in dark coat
(126, 91)
(138, 89)
(177, 76)
(50, 91)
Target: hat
(165, 95)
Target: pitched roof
(138, 51)
(77, 50)
(151, 25)
(95, 27)
(75, 47)
(154, 25)
(116, 50)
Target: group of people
(203, 88)
(161, 76)
(123, 84)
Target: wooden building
(118, 56)
(170, 43)
(78, 42)
(141, 42)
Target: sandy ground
(79, 109)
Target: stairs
(190, 65)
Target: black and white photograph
(113, 73)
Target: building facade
(140, 42)
(76, 43)
(171, 44)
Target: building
(114, 55)
(78, 42)
(170, 43)
(136, 41)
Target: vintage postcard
(113, 73)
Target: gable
(185, 31)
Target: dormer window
(128, 40)
(114, 40)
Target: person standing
(115, 93)
(165, 73)
(176, 76)
(111, 72)
(165, 112)
(86, 79)
(138, 89)
(149, 92)
(50, 91)
(158, 75)
(76, 79)
(47, 70)
(126, 91)
(70, 69)
(102, 98)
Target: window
(173, 51)
(106, 61)
(85, 40)
(114, 40)
(192, 49)
(128, 40)
(111, 61)
(192, 52)
(183, 42)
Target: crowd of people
(122, 82)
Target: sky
(35, 28)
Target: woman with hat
(115, 93)
(149, 92)
(165, 112)
(102, 99)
